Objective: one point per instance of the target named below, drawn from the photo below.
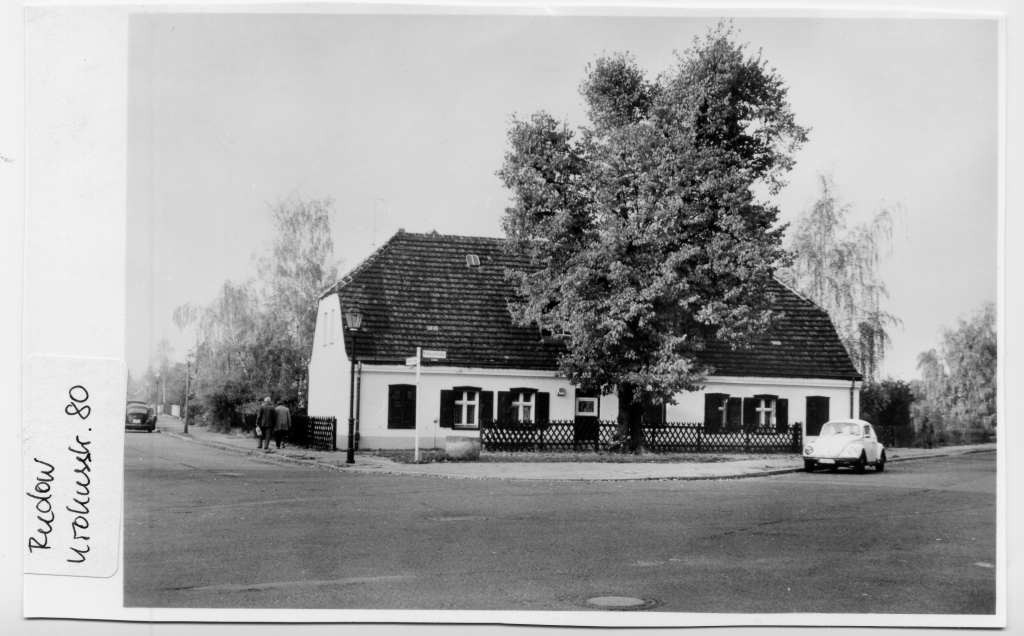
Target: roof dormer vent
(472, 260)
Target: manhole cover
(617, 603)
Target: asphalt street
(206, 528)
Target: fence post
(700, 439)
(334, 433)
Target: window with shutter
(401, 406)
(524, 404)
(466, 407)
(765, 409)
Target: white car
(845, 443)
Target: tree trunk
(631, 415)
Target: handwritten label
(74, 410)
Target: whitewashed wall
(329, 391)
(689, 407)
(373, 415)
(329, 365)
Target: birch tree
(837, 268)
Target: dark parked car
(139, 417)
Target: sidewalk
(554, 471)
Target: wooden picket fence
(602, 435)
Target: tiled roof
(417, 290)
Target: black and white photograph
(626, 314)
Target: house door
(817, 413)
(586, 422)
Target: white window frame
(723, 408)
(765, 410)
(525, 400)
(462, 404)
(589, 400)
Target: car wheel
(810, 465)
(880, 464)
(861, 464)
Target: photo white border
(73, 257)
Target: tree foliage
(887, 403)
(255, 338)
(957, 388)
(643, 229)
(837, 268)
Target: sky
(402, 121)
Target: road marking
(984, 565)
(276, 585)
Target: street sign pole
(416, 420)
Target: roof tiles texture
(418, 291)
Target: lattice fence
(320, 433)
(602, 435)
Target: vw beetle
(850, 443)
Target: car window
(868, 431)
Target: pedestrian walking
(282, 423)
(265, 423)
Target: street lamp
(354, 320)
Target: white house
(448, 295)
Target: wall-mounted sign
(411, 362)
(435, 355)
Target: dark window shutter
(394, 407)
(505, 413)
(781, 415)
(486, 407)
(401, 406)
(750, 413)
(447, 419)
(543, 407)
(409, 407)
(817, 413)
(734, 417)
(654, 413)
(712, 416)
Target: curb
(384, 471)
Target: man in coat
(265, 422)
(282, 423)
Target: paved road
(206, 528)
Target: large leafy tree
(957, 388)
(643, 230)
(836, 266)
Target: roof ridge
(798, 294)
(436, 234)
(360, 267)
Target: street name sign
(435, 355)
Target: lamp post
(188, 377)
(354, 321)
(160, 403)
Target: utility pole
(188, 375)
